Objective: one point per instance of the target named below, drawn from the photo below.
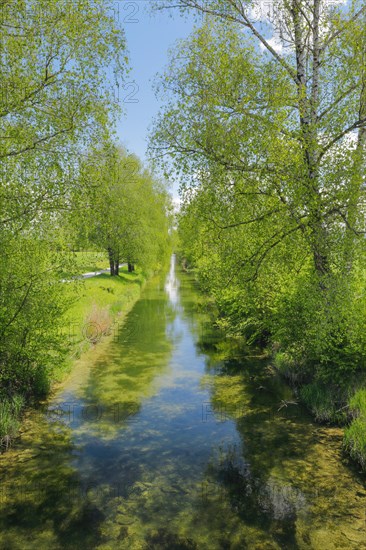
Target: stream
(167, 435)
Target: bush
(323, 327)
(32, 301)
(286, 365)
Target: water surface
(170, 436)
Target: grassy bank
(84, 261)
(332, 404)
(329, 401)
(98, 304)
(101, 301)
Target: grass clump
(357, 403)
(10, 413)
(354, 440)
(320, 401)
(287, 366)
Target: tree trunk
(131, 267)
(111, 261)
(308, 107)
(116, 267)
(357, 181)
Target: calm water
(168, 436)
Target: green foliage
(31, 305)
(324, 331)
(10, 412)
(357, 403)
(270, 145)
(355, 440)
(128, 212)
(285, 364)
(320, 400)
(57, 99)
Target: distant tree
(127, 209)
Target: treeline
(64, 184)
(268, 137)
(127, 210)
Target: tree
(56, 99)
(268, 138)
(279, 118)
(127, 209)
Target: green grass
(10, 413)
(357, 403)
(105, 291)
(85, 262)
(100, 301)
(91, 261)
(320, 400)
(354, 440)
(287, 367)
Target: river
(169, 436)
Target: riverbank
(99, 306)
(333, 405)
(341, 407)
(101, 302)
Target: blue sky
(149, 37)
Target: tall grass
(10, 413)
(354, 440)
(320, 400)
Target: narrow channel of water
(168, 436)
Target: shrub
(287, 366)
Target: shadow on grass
(123, 277)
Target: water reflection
(172, 282)
(168, 437)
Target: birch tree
(264, 123)
(307, 97)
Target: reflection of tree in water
(281, 479)
(266, 504)
(123, 376)
(250, 396)
(43, 503)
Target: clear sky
(149, 36)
